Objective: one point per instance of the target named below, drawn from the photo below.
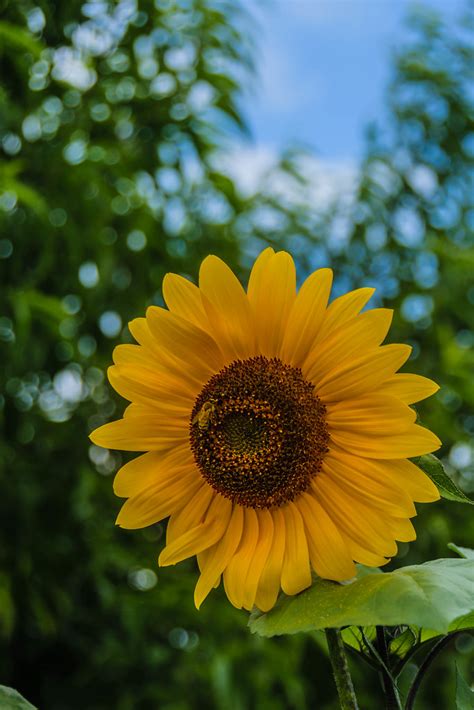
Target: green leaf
(12, 700)
(19, 39)
(463, 623)
(47, 307)
(464, 694)
(433, 468)
(465, 552)
(352, 636)
(30, 197)
(433, 596)
(404, 642)
(26, 194)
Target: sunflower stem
(425, 666)
(340, 669)
(392, 697)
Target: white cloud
(327, 180)
(247, 165)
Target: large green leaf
(12, 700)
(402, 644)
(433, 467)
(464, 694)
(433, 596)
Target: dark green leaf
(12, 700)
(45, 306)
(352, 636)
(433, 467)
(465, 552)
(403, 643)
(433, 596)
(464, 694)
(19, 38)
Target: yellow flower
(276, 427)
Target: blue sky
(323, 69)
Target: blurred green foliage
(112, 119)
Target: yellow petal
(348, 341)
(306, 317)
(134, 355)
(140, 385)
(401, 529)
(238, 567)
(356, 520)
(163, 409)
(368, 481)
(256, 274)
(189, 544)
(154, 381)
(409, 388)
(202, 557)
(343, 309)
(220, 556)
(259, 559)
(362, 374)
(369, 415)
(296, 571)
(411, 478)
(141, 433)
(136, 410)
(196, 350)
(227, 308)
(184, 298)
(200, 537)
(270, 579)
(160, 500)
(362, 555)
(153, 467)
(414, 441)
(154, 356)
(272, 296)
(328, 552)
(190, 515)
(140, 330)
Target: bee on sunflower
(276, 428)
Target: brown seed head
(258, 432)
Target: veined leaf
(403, 644)
(433, 596)
(12, 700)
(433, 468)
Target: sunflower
(276, 427)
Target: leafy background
(112, 120)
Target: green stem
(392, 698)
(340, 669)
(425, 666)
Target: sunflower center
(258, 432)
